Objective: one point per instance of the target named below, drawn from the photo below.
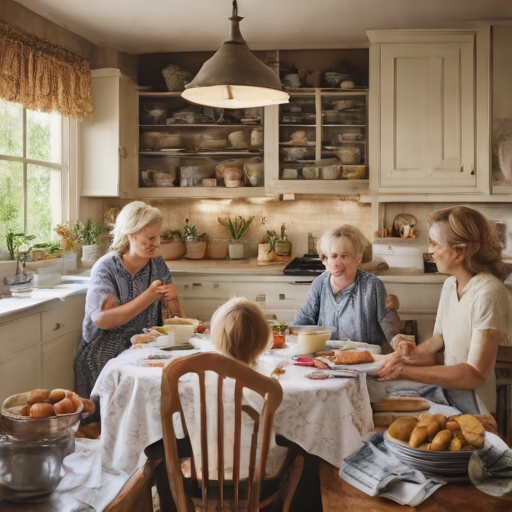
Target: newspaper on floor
(374, 471)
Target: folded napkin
(374, 471)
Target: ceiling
(154, 26)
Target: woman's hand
(404, 345)
(391, 368)
(168, 292)
(154, 290)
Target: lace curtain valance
(43, 76)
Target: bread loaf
(353, 357)
(384, 419)
(402, 403)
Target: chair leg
(293, 482)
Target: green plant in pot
(89, 238)
(171, 245)
(195, 243)
(237, 229)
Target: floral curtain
(43, 76)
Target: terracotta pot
(218, 250)
(172, 250)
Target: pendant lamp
(234, 77)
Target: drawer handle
(57, 327)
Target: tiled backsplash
(305, 214)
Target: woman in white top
(474, 315)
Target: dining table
(327, 418)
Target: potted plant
(89, 238)
(68, 233)
(196, 244)
(237, 230)
(171, 245)
(279, 330)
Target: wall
(306, 214)
(99, 57)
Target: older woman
(346, 298)
(129, 287)
(474, 315)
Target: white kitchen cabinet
(20, 372)
(38, 345)
(108, 147)
(429, 111)
(57, 361)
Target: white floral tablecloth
(326, 418)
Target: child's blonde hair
(240, 330)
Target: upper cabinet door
(429, 112)
(108, 135)
(427, 123)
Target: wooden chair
(211, 495)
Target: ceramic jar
(349, 156)
(236, 250)
(257, 138)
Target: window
(31, 171)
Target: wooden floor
(337, 496)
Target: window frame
(63, 167)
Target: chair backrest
(243, 377)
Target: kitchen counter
(249, 268)
(41, 298)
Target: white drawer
(67, 318)
(19, 334)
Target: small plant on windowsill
(89, 238)
(237, 229)
(195, 243)
(171, 245)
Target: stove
(308, 265)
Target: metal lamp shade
(234, 77)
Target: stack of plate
(446, 464)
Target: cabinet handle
(462, 168)
(122, 152)
(57, 327)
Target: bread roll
(441, 441)
(92, 431)
(41, 410)
(430, 424)
(419, 436)
(25, 411)
(65, 406)
(452, 425)
(57, 395)
(458, 442)
(89, 406)
(38, 396)
(441, 419)
(402, 428)
(472, 430)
